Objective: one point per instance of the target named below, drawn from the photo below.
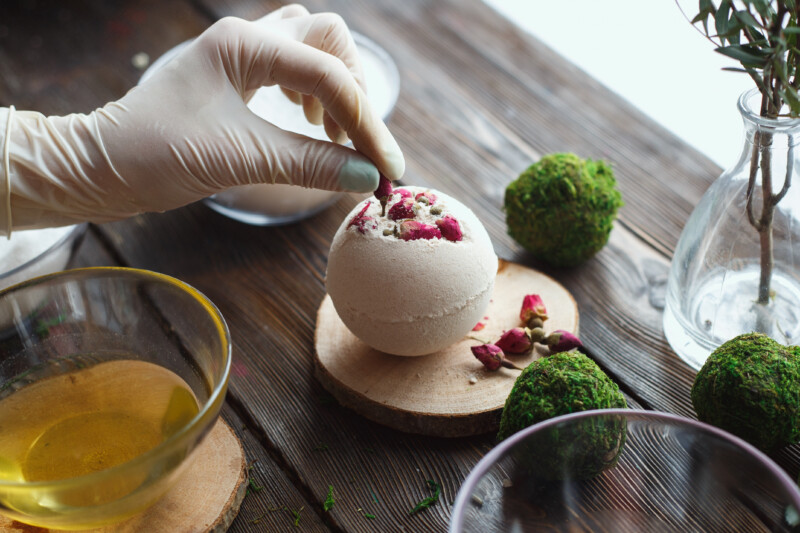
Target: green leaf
(763, 8)
(327, 505)
(747, 19)
(791, 98)
(430, 500)
(721, 17)
(748, 57)
(734, 69)
(792, 30)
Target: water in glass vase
(724, 305)
(86, 421)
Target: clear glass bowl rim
(208, 411)
(67, 240)
(486, 463)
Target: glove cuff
(6, 120)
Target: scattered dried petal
(479, 326)
(360, 221)
(516, 341)
(562, 341)
(532, 308)
(450, 228)
(404, 193)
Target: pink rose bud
(489, 354)
(426, 197)
(402, 209)
(515, 341)
(532, 308)
(450, 228)
(562, 341)
(384, 189)
(404, 193)
(411, 230)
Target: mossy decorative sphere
(750, 386)
(564, 383)
(562, 208)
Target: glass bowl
(278, 204)
(625, 470)
(36, 252)
(109, 378)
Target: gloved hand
(186, 132)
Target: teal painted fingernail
(358, 175)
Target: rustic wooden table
(479, 102)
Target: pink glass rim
(486, 463)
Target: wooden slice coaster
(206, 498)
(447, 393)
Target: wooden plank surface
(479, 102)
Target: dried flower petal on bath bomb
(402, 209)
(427, 198)
(450, 229)
(411, 230)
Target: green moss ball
(562, 208)
(565, 383)
(562, 383)
(750, 386)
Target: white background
(646, 51)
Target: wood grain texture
(60, 58)
(479, 102)
(447, 393)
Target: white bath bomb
(415, 280)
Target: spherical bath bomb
(562, 208)
(750, 386)
(414, 277)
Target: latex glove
(186, 133)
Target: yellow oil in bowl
(83, 422)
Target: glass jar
(734, 271)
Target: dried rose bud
(450, 228)
(404, 193)
(383, 192)
(532, 308)
(562, 341)
(402, 209)
(515, 341)
(491, 356)
(411, 230)
(384, 189)
(427, 198)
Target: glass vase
(736, 269)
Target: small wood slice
(447, 393)
(206, 498)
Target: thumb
(295, 159)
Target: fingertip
(358, 175)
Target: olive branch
(762, 35)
